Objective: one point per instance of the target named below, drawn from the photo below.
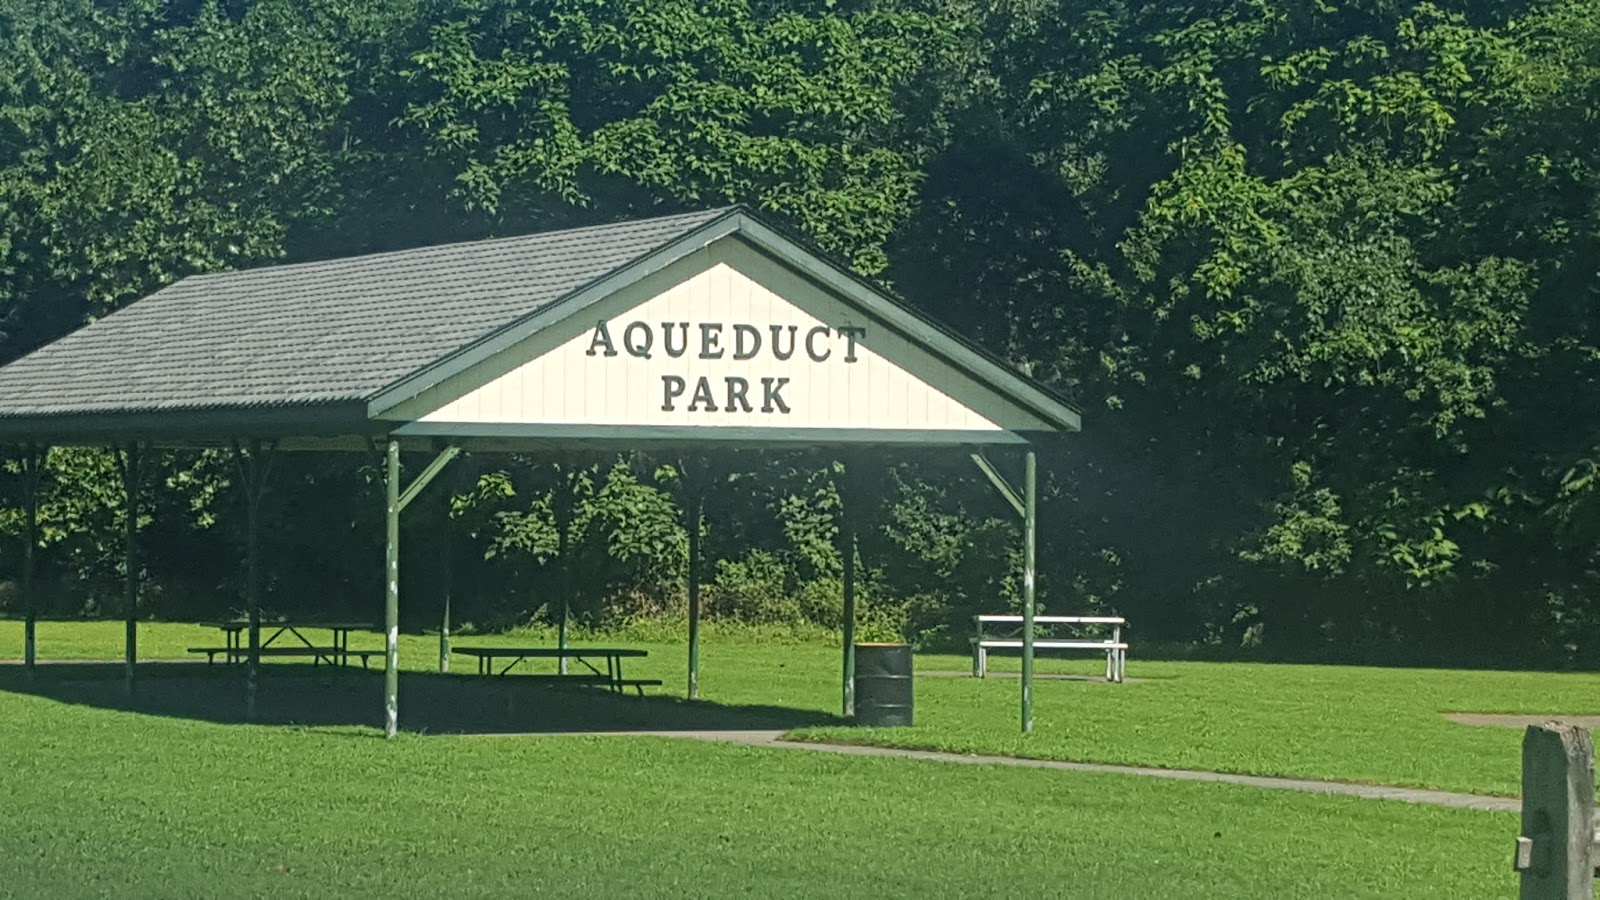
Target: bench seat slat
(1055, 644)
(243, 652)
(1055, 620)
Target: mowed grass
(1368, 725)
(108, 803)
(1356, 724)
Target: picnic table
(591, 658)
(337, 652)
(1112, 645)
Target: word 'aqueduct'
(713, 340)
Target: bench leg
(983, 662)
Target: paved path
(773, 739)
(1522, 720)
(1039, 676)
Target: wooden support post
(562, 499)
(564, 609)
(1030, 541)
(1556, 853)
(132, 459)
(1026, 505)
(253, 463)
(252, 587)
(693, 514)
(396, 500)
(452, 547)
(33, 464)
(391, 592)
(845, 485)
(449, 564)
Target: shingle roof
(316, 333)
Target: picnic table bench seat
(576, 679)
(317, 654)
(490, 658)
(638, 684)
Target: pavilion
(684, 332)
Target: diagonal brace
(1000, 484)
(434, 468)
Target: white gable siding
(569, 386)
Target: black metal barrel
(883, 684)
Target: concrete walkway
(773, 739)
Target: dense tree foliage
(1321, 275)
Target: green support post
(847, 532)
(561, 624)
(563, 543)
(457, 481)
(396, 500)
(1026, 506)
(391, 597)
(449, 587)
(1030, 540)
(694, 510)
(253, 464)
(131, 460)
(562, 499)
(33, 461)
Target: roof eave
(202, 427)
(973, 359)
(504, 338)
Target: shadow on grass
(430, 703)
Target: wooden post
(252, 580)
(447, 562)
(397, 499)
(132, 458)
(1555, 852)
(845, 486)
(391, 591)
(563, 499)
(1030, 543)
(1027, 506)
(253, 463)
(693, 512)
(452, 547)
(33, 462)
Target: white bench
(1115, 649)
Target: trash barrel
(883, 684)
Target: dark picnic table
(296, 643)
(590, 658)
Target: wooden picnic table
(339, 652)
(588, 657)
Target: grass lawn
(107, 803)
(1340, 723)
